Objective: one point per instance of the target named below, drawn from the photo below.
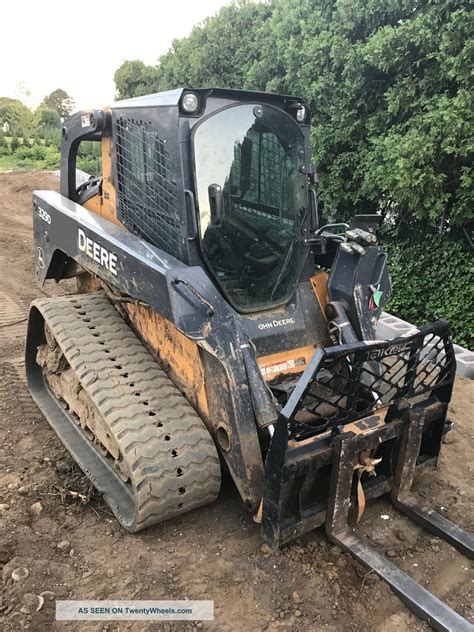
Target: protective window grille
(146, 186)
(269, 167)
(259, 217)
(347, 386)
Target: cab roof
(172, 97)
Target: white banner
(134, 610)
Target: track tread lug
(145, 446)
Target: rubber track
(173, 463)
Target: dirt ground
(212, 553)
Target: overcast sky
(77, 46)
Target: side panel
(294, 358)
(109, 201)
(300, 323)
(179, 355)
(319, 282)
(72, 233)
(104, 204)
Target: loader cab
(215, 178)
(250, 172)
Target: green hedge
(433, 279)
(46, 155)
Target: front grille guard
(313, 482)
(371, 388)
(342, 384)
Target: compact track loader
(217, 325)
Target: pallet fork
(312, 478)
(418, 599)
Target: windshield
(252, 203)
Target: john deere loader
(217, 325)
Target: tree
(391, 101)
(46, 119)
(3, 143)
(389, 87)
(60, 102)
(134, 79)
(17, 116)
(218, 53)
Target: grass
(11, 163)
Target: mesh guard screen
(146, 186)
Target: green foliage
(433, 279)
(17, 117)
(4, 146)
(39, 149)
(391, 101)
(90, 148)
(22, 152)
(46, 120)
(52, 136)
(389, 86)
(218, 53)
(89, 164)
(37, 157)
(89, 157)
(45, 155)
(60, 102)
(134, 79)
(14, 144)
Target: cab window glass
(252, 203)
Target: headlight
(301, 114)
(190, 102)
